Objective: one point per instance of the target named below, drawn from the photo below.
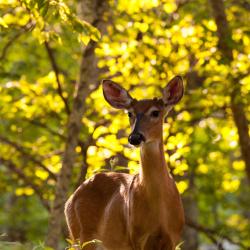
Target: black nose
(136, 139)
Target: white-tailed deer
(132, 212)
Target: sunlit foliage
(147, 43)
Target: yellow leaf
(41, 174)
(84, 39)
(143, 27)
(19, 191)
(211, 25)
(169, 7)
(239, 165)
(237, 221)
(231, 185)
(182, 186)
(3, 23)
(95, 34)
(24, 191)
(28, 191)
(202, 168)
(78, 149)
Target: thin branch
(56, 71)
(13, 168)
(42, 125)
(29, 156)
(84, 167)
(52, 153)
(179, 5)
(84, 148)
(7, 46)
(245, 4)
(213, 234)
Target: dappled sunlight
(48, 50)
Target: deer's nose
(136, 138)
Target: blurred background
(56, 130)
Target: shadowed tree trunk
(93, 12)
(190, 235)
(237, 106)
(14, 232)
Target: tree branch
(13, 39)
(8, 45)
(88, 81)
(56, 71)
(42, 125)
(13, 168)
(213, 234)
(84, 148)
(29, 156)
(179, 5)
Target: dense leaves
(147, 43)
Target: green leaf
(44, 8)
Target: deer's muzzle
(136, 137)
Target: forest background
(56, 129)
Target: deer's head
(146, 116)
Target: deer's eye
(130, 114)
(155, 113)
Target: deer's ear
(115, 95)
(173, 92)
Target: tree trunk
(190, 235)
(237, 106)
(93, 12)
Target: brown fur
(129, 212)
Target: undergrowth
(77, 246)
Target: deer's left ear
(173, 92)
(116, 95)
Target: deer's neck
(154, 173)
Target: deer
(132, 212)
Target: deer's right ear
(115, 95)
